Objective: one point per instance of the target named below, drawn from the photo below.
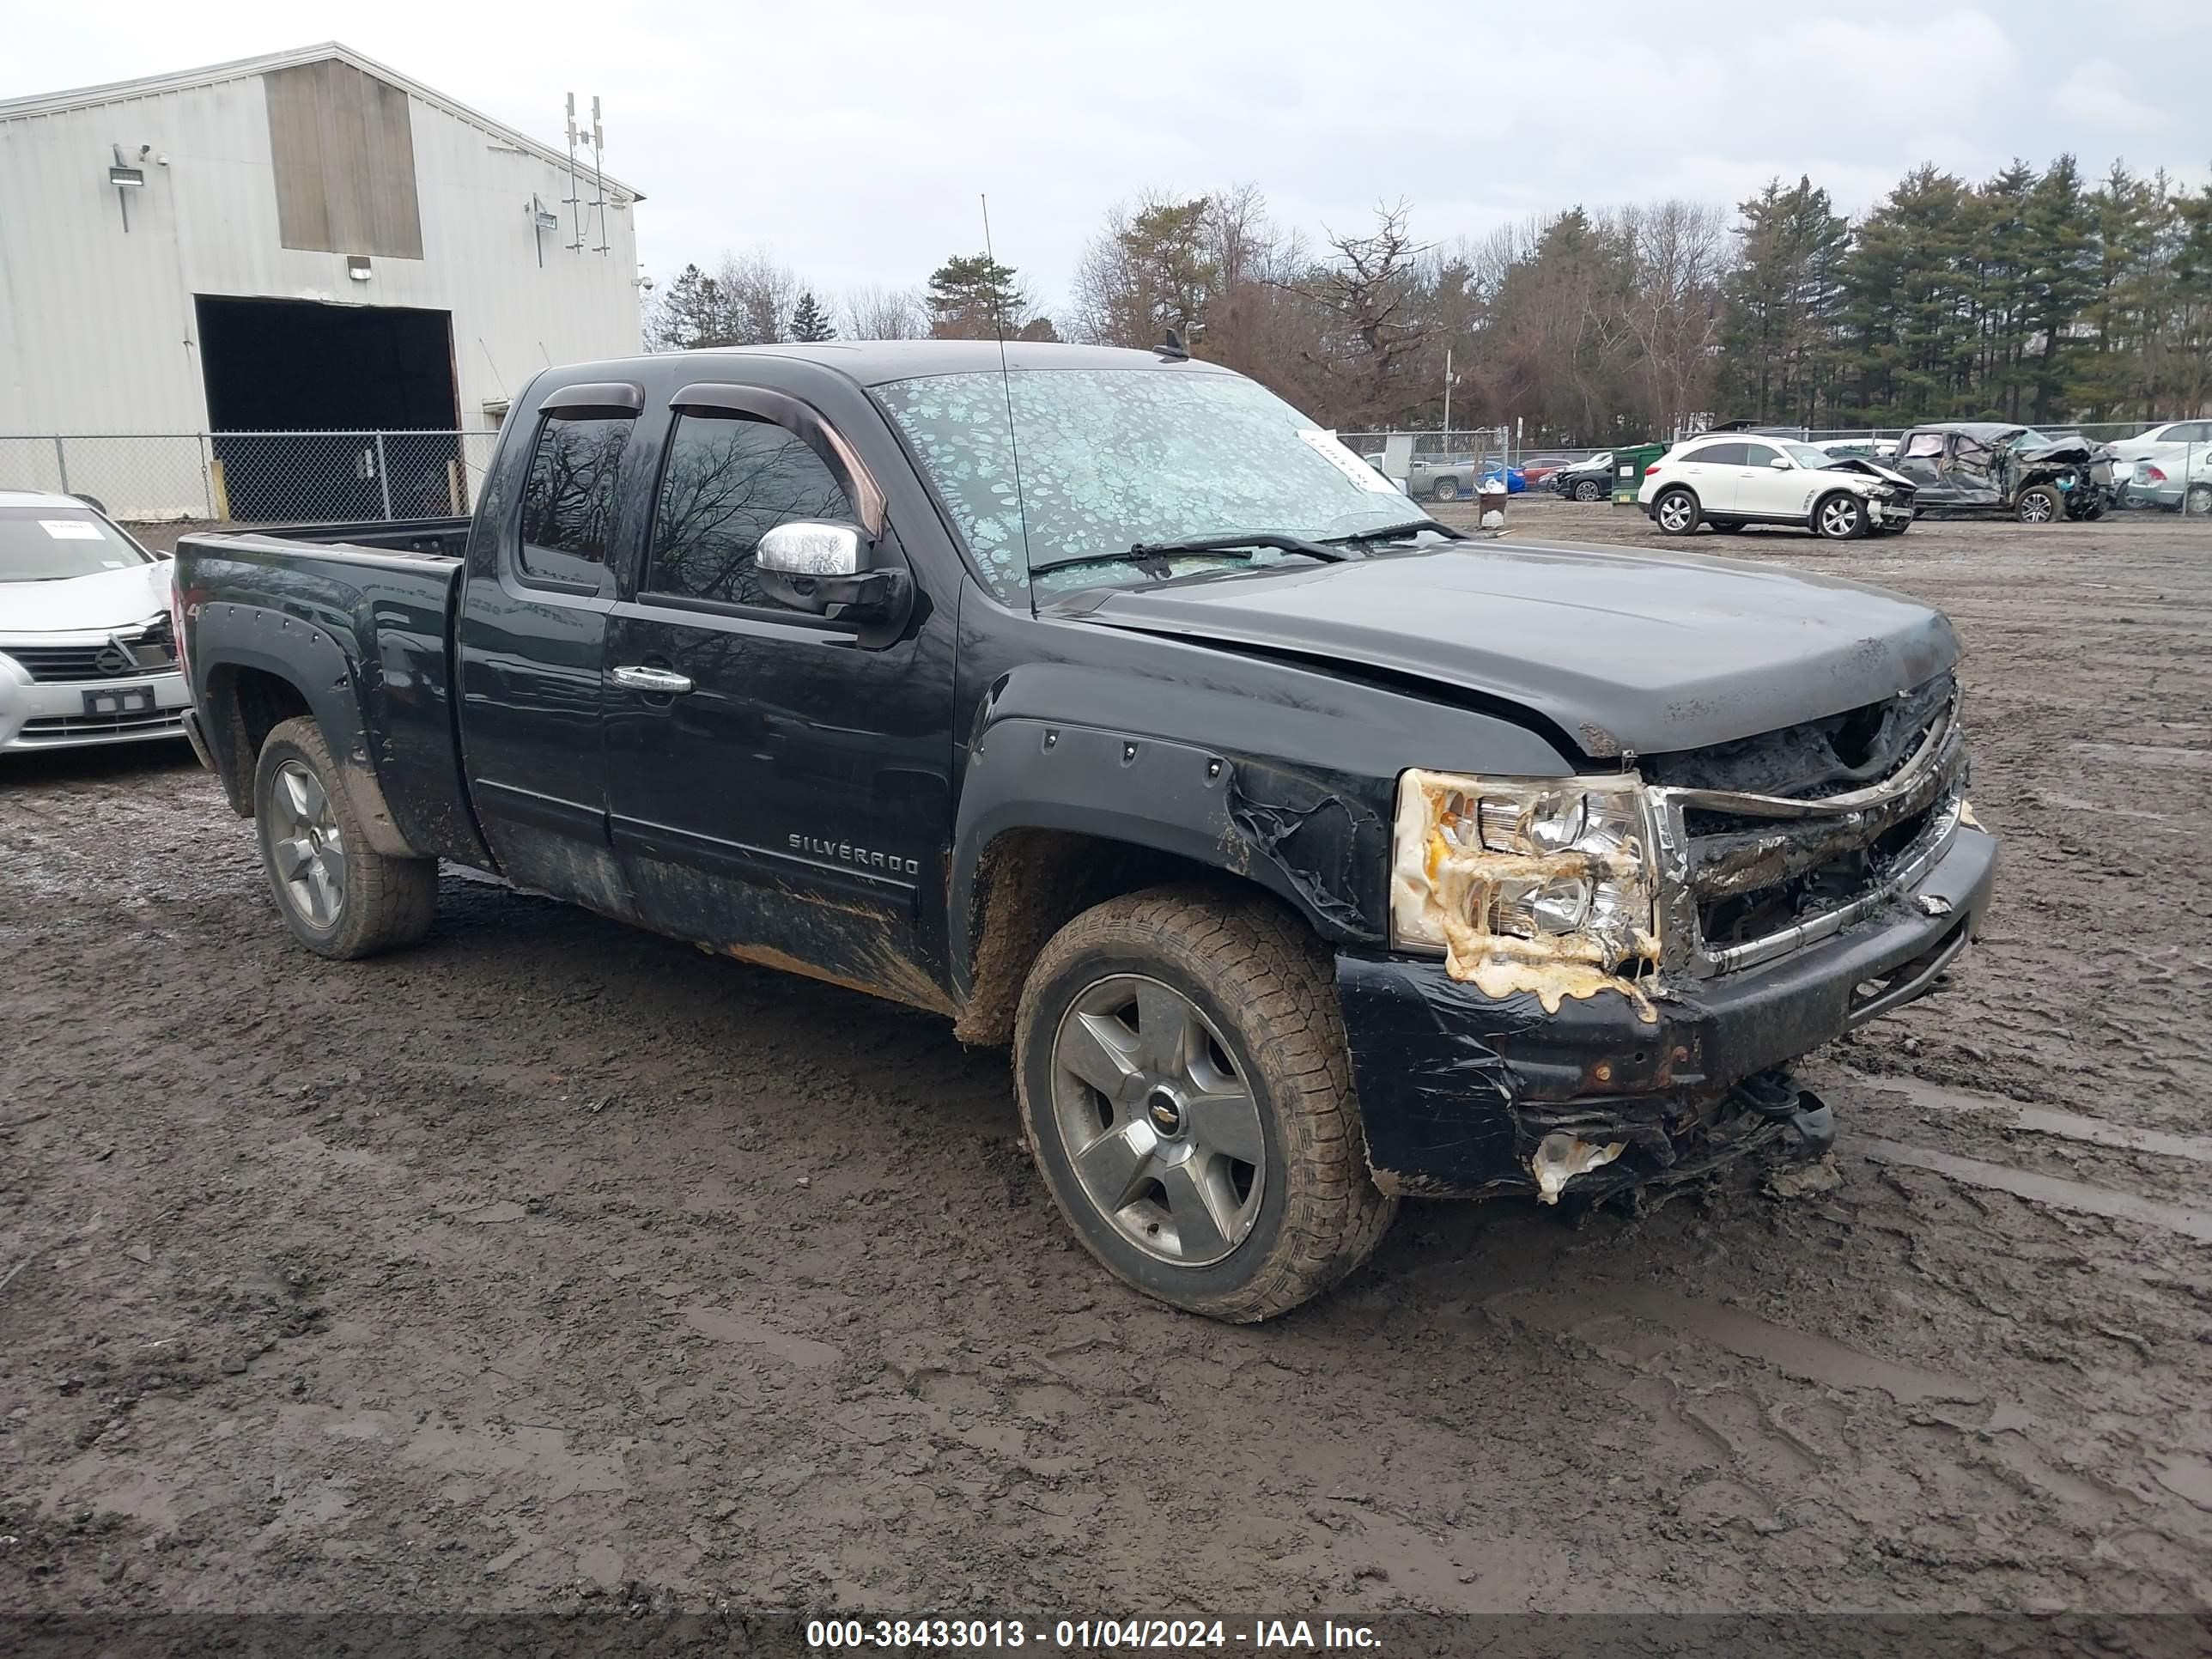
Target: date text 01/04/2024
(1081, 1635)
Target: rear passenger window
(568, 501)
(728, 484)
(1717, 455)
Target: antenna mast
(1007, 387)
(575, 198)
(599, 175)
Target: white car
(86, 651)
(2166, 465)
(1728, 480)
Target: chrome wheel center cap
(1164, 1109)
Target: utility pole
(1447, 396)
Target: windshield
(52, 544)
(2030, 439)
(1111, 457)
(1806, 455)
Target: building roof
(51, 103)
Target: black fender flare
(311, 661)
(1298, 834)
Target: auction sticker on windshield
(1326, 445)
(71, 529)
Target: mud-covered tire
(383, 901)
(2040, 504)
(1263, 982)
(1676, 512)
(1839, 517)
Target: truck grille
(1770, 842)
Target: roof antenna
(1171, 350)
(1007, 387)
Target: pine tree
(694, 312)
(973, 297)
(808, 322)
(1782, 299)
(2064, 279)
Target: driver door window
(726, 483)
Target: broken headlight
(1537, 884)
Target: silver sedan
(86, 651)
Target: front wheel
(2042, 504)
(339, 896)
(1184, 1087)
(1840, 518)
(1589, 490)
(1675, 513)
(2198, 503)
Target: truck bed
(358, 620)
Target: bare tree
(1369, 291)
(884, 313)
(759, 295)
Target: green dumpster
(1628, 464)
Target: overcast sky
(852, 139)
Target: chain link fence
(256, 477)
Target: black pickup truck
(1307, 852)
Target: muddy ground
(552, 1262)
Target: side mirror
(807, 548)
(822, 569)
(1780, 463)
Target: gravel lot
(552, 1264)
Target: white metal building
(307, 240)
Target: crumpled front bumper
(1457, 1089)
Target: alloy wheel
(2035, 509)
(305, 842)
(1162, 1129)
(1674, 513)
(1839, 517)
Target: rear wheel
(2039, 504)
(1675, 513)
(340, 896)
(1841, 517)
(1444, 489)
(1588, 489)
(1181, 1066)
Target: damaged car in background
(1305, 853)
(1977, 467)
(1732, 481)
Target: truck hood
(74, 604)
(1623, 651)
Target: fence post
(383, 477)
(61, 463)
(207, 470)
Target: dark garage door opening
(305, 380)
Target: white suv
(1730, 480)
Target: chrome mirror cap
(808, 548)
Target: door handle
(657, 682)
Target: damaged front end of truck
(1598, 983)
